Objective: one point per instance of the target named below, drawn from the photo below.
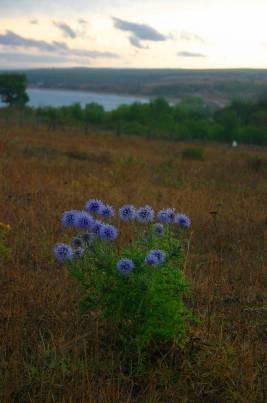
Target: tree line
(191, 119)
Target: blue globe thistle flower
(69, 218)
(63, 252)
(183, 220)
(125, 266)
(158, 229)
(96, 227)
(84, 220)
(77, 242)
(155, 257)
(87, 238)
(127, 212)
(145, 214)
(94, 206)
(160, 255)
(78, 252)
(107, 211)
(151, 260)
(167, 215)
(108, 232)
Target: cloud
(68, 32)
(191, 36)
(139, 32)
(82, 21)
(136, 42)
(83, 24)
(25, 58)
(62, 8)
(93, 53)
(12, 40)
(190, 54)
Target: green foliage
(144, 307)
(133, 128)
(94, 113)
(190, 119)
(193, 154)
(13, 89)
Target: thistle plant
(136, 288)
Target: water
(55, 97)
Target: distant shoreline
(216, 87)
(94, 92)
(172, 101)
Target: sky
(191, 34)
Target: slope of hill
(49, 351)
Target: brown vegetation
(49, 352)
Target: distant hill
(215, 86)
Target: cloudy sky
(133, 33)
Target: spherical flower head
(155, 257)
(77, 242)
(96, 227)
(125, 266)
(84, 220)
(167, 215)
(69, 218)
(87, 238)
(158, 229)
(108, 232)
(107, 211)
(94, 206)
(183, 220)
(145, 214)
(78, 252)
(63, 252)
(127, 212)
(151, 260)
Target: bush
(193, 154)
(137, 289)
(44, 152)
(101, 158)
(133, 128)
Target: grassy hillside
(49, 352)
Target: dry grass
(49, 353)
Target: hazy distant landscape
(214, 86)
(41, 97)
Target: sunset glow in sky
(133, 33)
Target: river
(56, 97)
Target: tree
(94, 113)
(13, 89)
(230, 122)
(194, 106)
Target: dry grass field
(48, 351)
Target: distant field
(215, 86)
(48, 351)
